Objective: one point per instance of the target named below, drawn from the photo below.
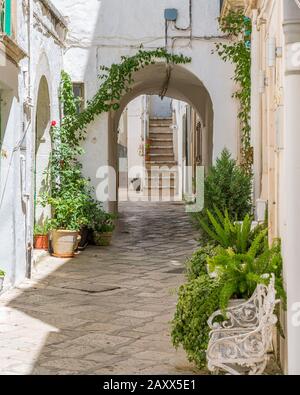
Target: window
(5, 16)
(78, 90)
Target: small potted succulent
(2, 275)
(41, 238)
(103, 229)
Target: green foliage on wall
(238, 52)
(117, 79)
(69, 193)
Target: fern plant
(227, 233)
(243, 271)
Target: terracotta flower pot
(64, 243)
(102, 239)
(41, 242)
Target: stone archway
(42, 146)
(176, 82)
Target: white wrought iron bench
(240, 344)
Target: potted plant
(92, 210)
(103, 229)
(68, 218)
(2, 275)
(41, 238)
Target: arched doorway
(42, 148)
(178, 83)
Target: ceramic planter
(41, 242)
(102, 239)
(64, 243)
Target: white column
(291, 184)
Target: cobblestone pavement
(106, 311)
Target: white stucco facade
(119, 28)
(39, 33)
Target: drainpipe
(189, 27)
(255, 107)
(29, 156)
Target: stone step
(162, 153)
(154, 182)
(162, 147)
(160, 135)
(162, 156)
(161, 193)
(161, 142)
(161, 130)
(160, 187)
(160, 122)
(162, 162)
(165, 170)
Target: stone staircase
(161, 178)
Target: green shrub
(223, 231)
(105, 223)
(228, 187)
(242, 272)
(197, 264)
(197, 300)
(241, 259)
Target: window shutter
(7, 17)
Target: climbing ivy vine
(117, 79)
(69, 193)
(238, 52)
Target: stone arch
(180, 84)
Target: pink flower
(53, 123)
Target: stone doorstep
(38, 256)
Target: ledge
(54, 11)
(11, 49)
(235, 5)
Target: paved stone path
(107, 311)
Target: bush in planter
(243, 272)
(221, 230)
(103, 228)
(197, 264)
(197, 300)
(226, 187)
(69, 216)
(239, 267)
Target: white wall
(19, 86)
(160, 108)
(135, 134)
(119, 27)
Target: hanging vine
(117, 80)
(69, 193)
(238, 52)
